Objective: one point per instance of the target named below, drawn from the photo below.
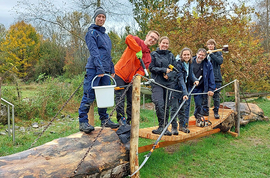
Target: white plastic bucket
(104, 94)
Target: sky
(8, 15)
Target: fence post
(135, 122)
(91, 117)
(237, 106)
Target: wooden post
(91, 119)
(237, 107)
(135, 122)
(209, 102)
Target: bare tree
(262, 9)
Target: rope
(55, 116)
(215, 89)
(99, 133)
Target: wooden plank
(194, 130)
(233, 133)
(168, 143)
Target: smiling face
(186, 56)
(164, 44)
(200, 57)
(151, 39)
(100, 19)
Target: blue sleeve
(91, 39)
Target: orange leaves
(211, 19)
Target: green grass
(218, 155)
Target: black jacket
(160, 61)
(216, 59)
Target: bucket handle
(104, 75)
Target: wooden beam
(233, 133)
(135, 122)
(237, 106)
(168, 143)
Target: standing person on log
(216, 59)
(162, 74)
(201, 67)
(128, 66)
(99, 63)
(184, 76)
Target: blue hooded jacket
(99, 45)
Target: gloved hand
(139, 54)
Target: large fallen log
(60, 158)
(248, 112)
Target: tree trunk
(61, 157)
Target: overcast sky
(8, 15)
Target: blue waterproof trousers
(89, 95)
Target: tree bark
(61, 157)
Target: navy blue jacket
(99, 45)
(216, 59)
(190, 78)
(208, 75)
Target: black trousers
(120, 109)
(159, 99)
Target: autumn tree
(142, 15)
(21, 45)
(51, 59)
(197, 21)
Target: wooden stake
(135, 123)
(91, 118)
(237, 106)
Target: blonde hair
(162, 38)
(186, 49)
(153, 31)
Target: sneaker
(123, 121)
(184, 129)
(85, 127)
(109, 123)
(158, 130)
(216, 115)
(174, 131)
